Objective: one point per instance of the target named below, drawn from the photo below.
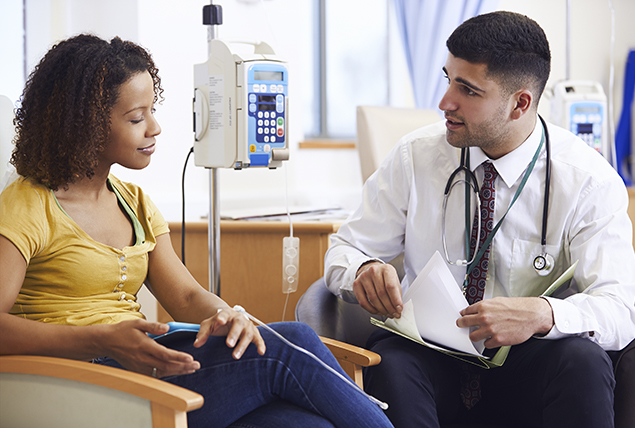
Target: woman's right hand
(127, 343)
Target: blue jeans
(283, 388)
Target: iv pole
(213, 16)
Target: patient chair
(52, 392)
(49, 392)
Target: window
(357, 60)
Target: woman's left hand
(240, 332)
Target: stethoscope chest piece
(544, 263)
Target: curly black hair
(513, 46)
(63, 118)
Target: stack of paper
(432, 305)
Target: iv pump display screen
(267, 75)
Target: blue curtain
(624, 133)
(425, 25)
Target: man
(557, 373)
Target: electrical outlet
(290, 263)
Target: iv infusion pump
(240, 108)
(580, 106)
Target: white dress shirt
(587, 221)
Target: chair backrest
(332, 317)
(7, 132)
(379, 128)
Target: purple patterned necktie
(478, 275)
(470, 379)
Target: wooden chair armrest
(354, 354)
(146, 387)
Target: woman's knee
(298, 334)
(293, 331)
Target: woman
(76, 245)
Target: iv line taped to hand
(242, 310)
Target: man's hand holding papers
(433, 304)
(437, 315)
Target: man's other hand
(507, 320)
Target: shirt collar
(513, 164)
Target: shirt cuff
(567, 320)
(346, 289)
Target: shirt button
(122, 258)
(124, 277)
(120, 285)
(123, 296)
(124, 268)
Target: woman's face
(133, 127)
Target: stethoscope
(544, 262)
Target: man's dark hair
(513, 46)
(63, 120)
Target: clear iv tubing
(242, 310)
(286, 200)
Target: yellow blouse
(71, 278)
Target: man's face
(476, 112)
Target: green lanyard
(489, 238)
